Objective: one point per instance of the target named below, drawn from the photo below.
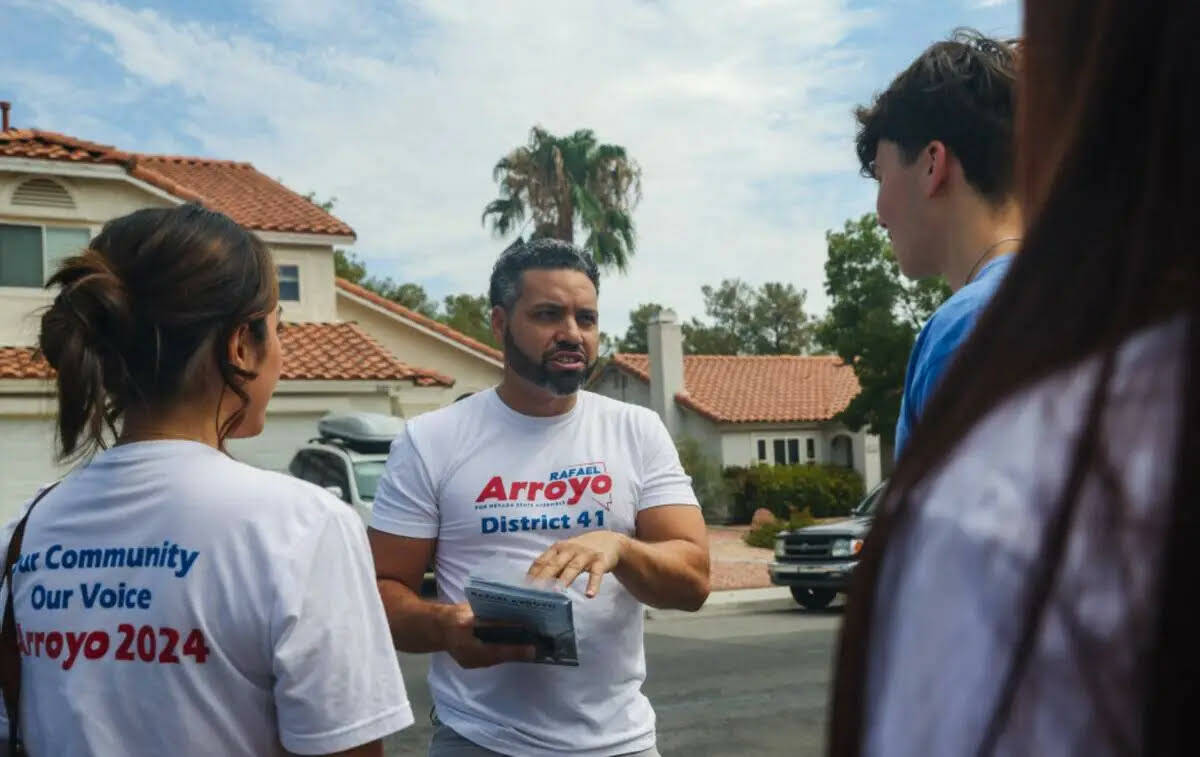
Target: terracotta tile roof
(344, 351)
(238, 190)
(47, 145)
(311, 351)
(758, 389)
(22, 363)
(429, 323)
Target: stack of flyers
(541, 617)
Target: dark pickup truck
(816, 562)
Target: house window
(781, 450)
(289, 282)
(812, 449)
(780, 447)
(29, 255)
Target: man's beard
(538, 372)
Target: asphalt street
(725, 683)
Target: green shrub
(801, 519)
(764, 535)
(827, 491)
(707, 482)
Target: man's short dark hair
(960, 92)
(539, 254)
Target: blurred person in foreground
(939, 141)
(1028, 587)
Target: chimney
(5, 107)
(665, 337)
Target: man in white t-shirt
(555, 482)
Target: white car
(348, 457)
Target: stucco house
(57, 191)
(745, 410)
(422, 340)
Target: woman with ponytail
(1027, 589)
(166, 599)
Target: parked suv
(817, 561)
(348, 457)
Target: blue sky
(739, 113)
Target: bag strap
(10, 649)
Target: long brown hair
(134, 310)
(1106, 149)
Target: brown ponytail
(78, 330)
(153, 290)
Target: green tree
(326, 205)
(730, 307)
(635, 340)
(566, 182)
(781, 327)
(346, 265)
(410, 295)
(471, 315)
(700, 338)
(873, 319)
(767, 320)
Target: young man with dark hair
(555, 483)
(939, 141)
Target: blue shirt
(946, 329)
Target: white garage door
(282, 436)
(26, 460)
(27, 452)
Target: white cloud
(727, 106)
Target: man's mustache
(565, 348)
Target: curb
(770, 599)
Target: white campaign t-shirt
(954, 582)
(173, 601)
(491, 484)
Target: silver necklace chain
(989, 248)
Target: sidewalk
(732, 602)
(738, 577)
(736, 565)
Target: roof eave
(138, 169)
(354, 294)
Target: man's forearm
(416, 624)
(666, 575)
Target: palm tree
(563, 181)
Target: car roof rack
(361, 432)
